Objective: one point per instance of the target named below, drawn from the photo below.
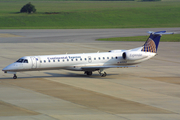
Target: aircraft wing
(95, 68)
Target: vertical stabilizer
(151, 45)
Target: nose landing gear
(14, 77)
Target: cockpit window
(20, 60)
(25, 61)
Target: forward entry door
(34, 62)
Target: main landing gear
(89, 73)
(101, 73)
(14, 77)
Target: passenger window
(25, 61)
(58, 60)
(81, 59)
(107, 57)
(84, 58)
(116, 57)
(111, 57)
(40, 61)
(49, 60)
(94, 58)
(67, 59)
(99, 58)
(89, 58)
(71, 59)
(63, 60)
(103, 58)
(76, 59)
(53, 60)
(44, 61)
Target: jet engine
(133, 55)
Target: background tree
(28, 8)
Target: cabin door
(34, 62)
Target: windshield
(20, 60)
(25, 61)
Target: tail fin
(151, 45)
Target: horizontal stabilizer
(160, 32)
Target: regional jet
(89, 62)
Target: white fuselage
(89, 62)
(77, 61)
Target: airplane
(89, 62)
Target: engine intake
(124, 55)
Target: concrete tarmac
(148, 92)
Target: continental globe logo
(149, 46)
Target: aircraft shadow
(68, 74)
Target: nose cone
(11, 67)
(4, 69)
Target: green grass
(82, 15)
(164, 38)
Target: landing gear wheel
(89, 73)
(14, 77)
(103, 74)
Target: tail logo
(149, 46)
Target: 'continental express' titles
(63, 57)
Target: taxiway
(148, 92)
